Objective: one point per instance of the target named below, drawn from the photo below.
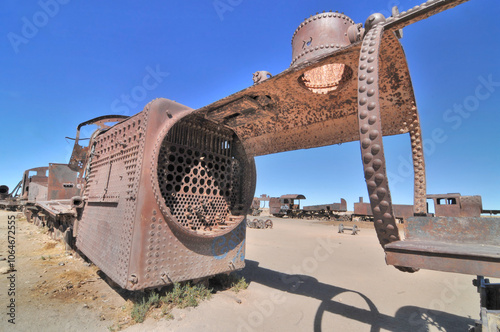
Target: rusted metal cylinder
(77, 202)
(318, 35)
(4, 190)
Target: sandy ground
(303, 276)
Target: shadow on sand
(408, 318)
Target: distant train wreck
(10, 200)
(449, 205)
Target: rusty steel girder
(319, 102)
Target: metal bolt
(133, 279)
(164, 276)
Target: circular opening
(327, 78)
(189, 167)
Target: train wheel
(269, 223)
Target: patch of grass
(154, 300)
(186, 296)
(239, 285)
(231, 281)
(140, 310)
(181, 296)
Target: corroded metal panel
(200, 185)
(454, 244)
(63, 182)
(328, 30)
(37, 192)
(448, 210)
(274, 205)
(79, 155)
(457, 258)
(285, 115)
(362, 209)
(454, 229)
(105, 229)
(35, 185)
(456, 205)
(337, 207)
(56, 207)
(401, 211)
(471, 206)
(342, 205)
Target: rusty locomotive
(161, 196)
(443, 205)
(153, 199)
(286, 206)
(10, 200)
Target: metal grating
(199, 177)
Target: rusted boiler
(166, 196)
(157, 198)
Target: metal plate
(453, 244)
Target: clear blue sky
(64, 64)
